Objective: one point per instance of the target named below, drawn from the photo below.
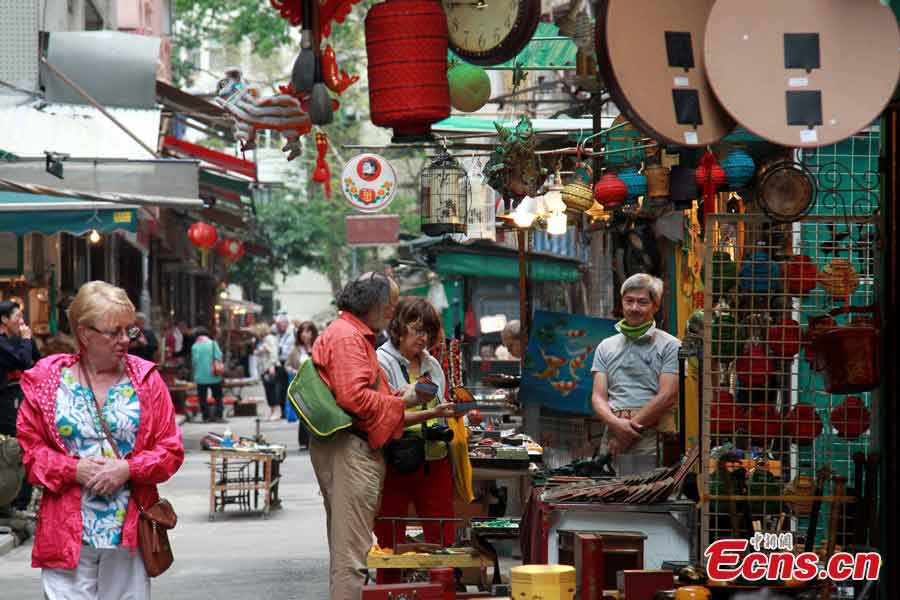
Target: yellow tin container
(543, 582)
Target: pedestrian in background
(86, 540)
(266, 353)
(146, 345)
(285, 335)
(349, 465)
(302, 352)
(206, 361)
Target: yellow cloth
(459, 455)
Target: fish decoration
(564, 387)
(554, 363)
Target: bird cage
(444, 193)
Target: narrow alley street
(236, 556)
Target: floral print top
(83, 436)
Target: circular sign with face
(369, 182)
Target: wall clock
(489, 32)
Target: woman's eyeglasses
(132, 333)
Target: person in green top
(205, 353)
(415, 327)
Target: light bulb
(556, 223)
(523, 219)
(94, 236)
(223, 294)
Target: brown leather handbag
(154, 522)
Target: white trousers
(101, 574)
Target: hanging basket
(848, 355)
(578, 196)
(657, 181)
(406, 44)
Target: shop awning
(504, 267)
(35, 213)
(561, 127)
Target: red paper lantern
(406, 43)
(765, 421)
(784, 338)
(610, 191)
(800, 275)
(753, 367)
(231, 250)
(725, 416)
(710, 177)
(851, 418)
(803, 424)
(203, 236)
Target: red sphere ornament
(203, 236)
(765, 421)
(753, 367)
(231, 250)
(406, 44)
(852, 418)
(800, 275)
(803, 424)
(610, 191)
(725, 416)
(784, 338)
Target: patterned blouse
(83, 436)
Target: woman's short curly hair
(413, 311)
(366, 292)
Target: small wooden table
(241, 477)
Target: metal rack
(769, 425)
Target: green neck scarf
(634, 333)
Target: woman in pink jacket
(86, 538)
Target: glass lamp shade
(556, 223)
(554, 201)
(526, 212)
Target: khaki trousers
(350, 476)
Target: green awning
(504, 267)
(37, 213)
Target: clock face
(488, 32)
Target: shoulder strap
(100, 418)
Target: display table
(246, 478)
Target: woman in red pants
(404, 358)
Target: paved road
(284, 557)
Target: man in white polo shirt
(635, 378)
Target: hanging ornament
(851, 418)
(470, 87)
(726, 416)
(634, 182)
(322, 173)
(710, 177)
(657, 182)
(753, 366)
(443, 196)
(765, 422)
(578, 194)
(406, 45)
(610, 191)
(739, 169)
(800, 275)
(784, 339)
(759, 275)
(802, 424)
(839, 279)
(230, 250)
(203, 236)
(514, 169)
(369, 182)
(336, 79)
(482, 213)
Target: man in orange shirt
(349, 465)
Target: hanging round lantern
(406, 44)
(784, 338)
(230, 250)
(727, 337)
(203, 236)
(710, 175)
(765, 421)
(610, 191)
(753, 366)
(634, 182)
(739, 169)
(470, 87)
(759, 275)
(800, 275)
(802, 424)
(851, 418)
(725, 416)
(839, 279)
(443, 196)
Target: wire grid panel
(770, 425)
(565, 439)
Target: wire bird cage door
(790, 312)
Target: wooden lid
(779, 67)
(650, 53)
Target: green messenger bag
(315, 403)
